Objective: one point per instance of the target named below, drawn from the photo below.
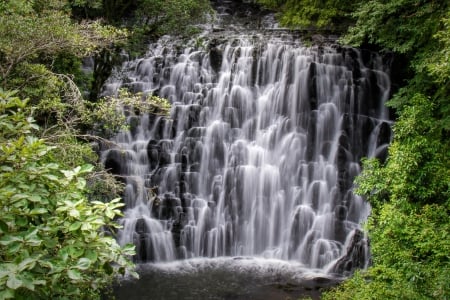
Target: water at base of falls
(239, 278)
(259, 155)
(225, 278)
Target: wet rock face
(356, 257)
(260, 153)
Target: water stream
(258, 157)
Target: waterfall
(259, 154)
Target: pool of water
(225, 278)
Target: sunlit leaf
(13, 282)
(74, 274)
(83, 263)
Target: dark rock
(116, 161)
(215, 58)
(355, 256)
(340, 212)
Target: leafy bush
(330, 14)
(54, 243)
(409, 226)
(108, 115)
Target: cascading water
(260, 152)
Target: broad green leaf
(6, 269)
(69, 174)
(91, 255)
(38, 211)
(19, 196)
(110, 213)
(83, 263)
(8, 239)
(6, 169)
(75, 252)
(74, 274)
(14, 247)
(35, 198)
(51, 177)
(86, 227)
(21, 221)
(14, 282)
(75, 213)
(45, 263)
(86, 168)
(81, 183)
(28, 284)
(129, 249)
(75, 226)
(50, 242)
(7, 294)
(39, 282)
(27, 263)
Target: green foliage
(108, 115)
(169, 16)
(42, 87)
(54, 243)
(24, 37)
(410, 193)
(68, 63)
(400, 25)
(439, 65)
(86, 9)
(330, 14)
(32, 31)
(154, 18)
(410, 253)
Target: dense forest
(58, 205)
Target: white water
(259, 155)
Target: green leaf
(129, 249)
(28, 284)
(7, 294)
(75, 226)
(51, 177)
(9, 239)
(21, 221)
(68, 174)
(83, 263)
(50, 243)
(86, 227)
(81, 183)
(86, 168)
(20, 196)
(32, 239)
(3, 227)
(75, 213)
(39, 282)
(14, 247)
(75, 251)
(38, 211)
(6, 169)
(74, 274)
(27, 263)
(91, 255)
(6, 269)
(35, 198)
(14, 282)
